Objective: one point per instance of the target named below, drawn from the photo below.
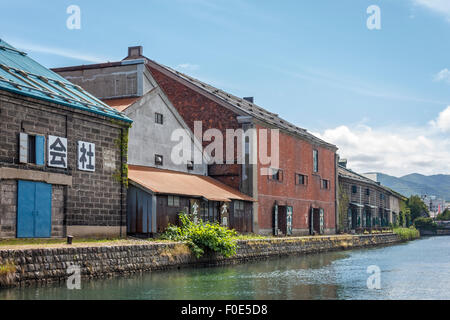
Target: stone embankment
(49, 264)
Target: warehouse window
(277, 175)
(354, 189)
(325, 184)
(316, 161)
(173, 201)
(301, 179)
(367, 192)
(159, 118)
(158, 160)
(31, 148)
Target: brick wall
(295, 157)
(94, 199)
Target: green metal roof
(21, 74)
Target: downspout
(336, 191)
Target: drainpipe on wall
(336, 191)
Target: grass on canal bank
(407, 234)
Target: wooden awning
(161, 181)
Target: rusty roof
(120, 104)
(163, 181)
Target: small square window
(301, 179)
(325, 184)
(159, 118)
(277, 175)
(158, 160)
(173, 201)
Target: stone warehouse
(365, 203)
(164, 178)
(296, 197)
(62, 155)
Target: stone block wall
(91, 199)
(50, 264)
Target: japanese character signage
(57, 152)
(86, 156)
(224, 214)
(195, 208)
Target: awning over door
(182, 184)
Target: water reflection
(417, 270)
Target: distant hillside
(437, 185)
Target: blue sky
(380, 95)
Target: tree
(444, 216)
(418, 208)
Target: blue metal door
(34, 209)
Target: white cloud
(188, 66)
(443, 75)
(443, 121)
(439, 6)
(397, 151)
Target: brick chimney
(135, 52)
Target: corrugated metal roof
(183, 184)
(21, 74)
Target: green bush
(444, 216)
(407, 234)
(202, 237)
(425, 224)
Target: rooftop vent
(343, 163)
(134, 52)
(249, 99)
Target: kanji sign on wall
(57, 152)
(86, 156)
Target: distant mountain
(412, 184)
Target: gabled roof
(22, 75)
(249, 108)
(349, 174)
(161, 181)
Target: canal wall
(44, 265)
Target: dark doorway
(315, 221)
(282, 219)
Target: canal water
(415, 270)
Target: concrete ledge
(32, 175)
(96, 231)
(46, 264)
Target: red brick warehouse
(302, 187)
